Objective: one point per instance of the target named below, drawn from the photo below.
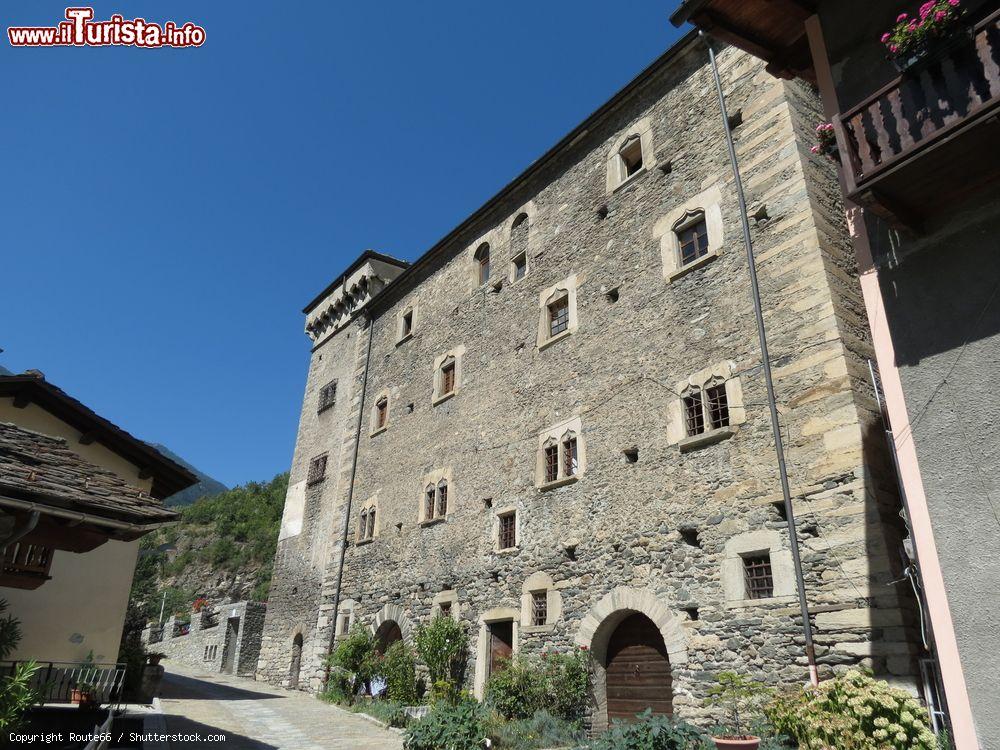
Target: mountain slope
(206, 486)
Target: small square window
(445, 609)
(631, 157)
(317, 470)
(693, 240)
(520, 266)
(448, 378)
(327, 396)
(558, 316)
(718, 406)
(694, 415)
(407, 323)
(757, 574)
(506, 538)
(539, 607)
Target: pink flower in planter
(953, 3)
(901, 17)
(893, 48)
(913, 26)
(815, 149)
(940, 15)
(926, 8)
(886, 37)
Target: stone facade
(638, 516)
(212, 633)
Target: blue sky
(167, 213)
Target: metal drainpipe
(766, 363)
(350, 496)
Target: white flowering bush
(853, 712)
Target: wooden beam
(22, 399)
(727, 32)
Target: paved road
(253, 716)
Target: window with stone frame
(705, 408)
(560, 457)
(317, 469)
(539, 607)
(717, 406)
(519, 266)
(344, 623)
(406, 325)
(630, 157)
(363, 525)
(757, 576)
(381, 413)
(444, 609)
(558, 316)
(435, 501)
(507, 530)
(571, 464)
(551, 460)
(327, 396)
(692, 238)
(430, 502)
(482, 258)
(694, 412)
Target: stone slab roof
(42, 469)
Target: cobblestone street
(259, 717)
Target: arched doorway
(296, 663)
(388, 633)
(637, 670)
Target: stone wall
(204, 644)
(654, 523)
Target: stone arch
(393, 613)
(604, 617)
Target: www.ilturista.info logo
(80, 30)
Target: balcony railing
(55, 681)
(921, 110)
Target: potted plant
(740, 698)
(155, 657)
(913, 40)
(84, 692)
(826, 142)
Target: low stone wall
(205, 645)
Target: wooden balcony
(932, 135)
(25, 565)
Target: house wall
(615, 540)
(81, 610)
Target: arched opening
(296, 662)
(637, 670)
(388, 633)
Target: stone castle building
(553, 425)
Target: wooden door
(388, 633)
(638, 670)
(501, 644)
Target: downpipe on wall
(350, 496)
(766, 365)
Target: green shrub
(853, 712)
(452, 727)
(543, 730)
(388, 712)
(354, 654)
(740, 698)
(339, 687)
(399, 671)
(442, 646)
(16, 692)
(556, 683)
(650, 733)
(517, 690)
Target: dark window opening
(409, 408)
(782, 511)
(757, 574)
(558, 316)
(381, 413)
(690, 537)
(370, 533)
(506, 536)
(539, 607)
(693, 241)
(483, 263)
(694, 416)
(317, 470)
(612, 295)
(692, 613)
(571, 464)
(448, 378)
(445, 609)
(551, 463)
(488, 502)
(631, 455)
(718, 406)
(429, 497)
(327, 396)
(631, 156)
(442, 499)
(735, 119)
(408, 323)
(520, 266)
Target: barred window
(551, 462)
(693, 240)
(571, 463)
(539, 607)
(327, 396)
(558, 316)
(694, 415)
(370, 530)
(429, 497)
(363, 525)
(448, 377)
(757, 574)
(483, 263)
(506, 538)
(442, 498)
(718, 406)
(317, 470)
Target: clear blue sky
(167, 213)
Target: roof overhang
(773, 30)
(168, 477)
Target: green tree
(442, 646)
